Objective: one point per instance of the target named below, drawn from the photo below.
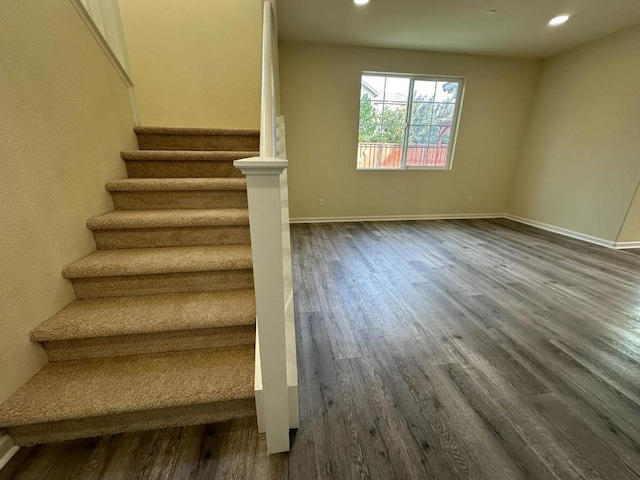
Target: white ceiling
(518, 28)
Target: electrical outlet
(469, 200)
(322, 202)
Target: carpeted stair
(163, 329)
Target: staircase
(162, 332)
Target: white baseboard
(627, 245)
(563, 231)
(393, 218)
(7, 449)
(470, 216)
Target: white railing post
(265, 215)
(289, 314)
(276, 380)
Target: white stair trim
(7, 449)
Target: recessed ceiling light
(491, 12)
(360, 2)
(559, 20)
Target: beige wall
(580, 163)
(630, 231)
(65, 116)
(320, 101)
(195, 64)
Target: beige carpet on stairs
(162, 333)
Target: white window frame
(455, 123)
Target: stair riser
(199, 142)
(172, 237)
(164, 169)
(132, 422)
(100, 287)
(160, 200)
(150, 343)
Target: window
(408, 121)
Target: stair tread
(195, 131)
(123, 219)
(186, 155)
(80, 389)
(162, 260)
(104, 317)
(175, 184)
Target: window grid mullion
(405, 147)
(454, 124)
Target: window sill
(374, 169)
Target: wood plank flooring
(427, 350)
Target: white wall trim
(7, 449)
(562, 231)
(626, 245)
(393, 218)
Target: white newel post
(265, 214)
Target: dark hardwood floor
(427, 350)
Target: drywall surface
(65, 116)
(320, 91)
(580, 164)
(195, 64)
(630, 231)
